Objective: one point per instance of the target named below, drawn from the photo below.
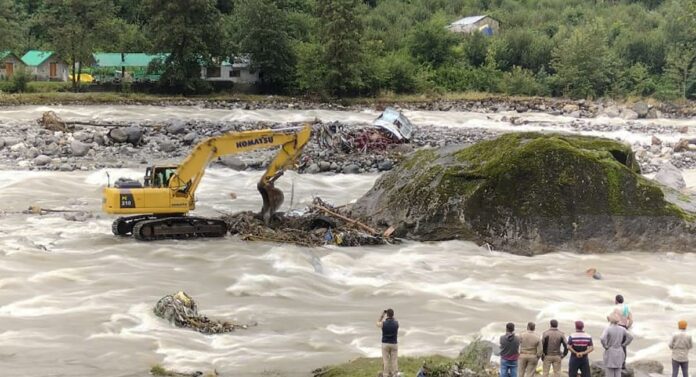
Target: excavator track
(178, 227)
(123, 226)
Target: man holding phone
(390, 329)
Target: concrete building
(9, 64)
(468, 25)
(46, 66)
(237, 72)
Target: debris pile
(51, 121)
(182, 311)
(321, 224)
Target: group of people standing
(520, 355)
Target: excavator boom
(160, 204)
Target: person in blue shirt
(390, 330)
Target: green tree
(431, 43)
(76, 28)
(340, 36)
(8, 25)
(583, 64)
(191, 32)
(264, 35)
(680, 70)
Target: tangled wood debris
(182, 311)
(321, 224)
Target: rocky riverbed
(25, 144)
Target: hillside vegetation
(574, 48)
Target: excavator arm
(292, 140)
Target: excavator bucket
(272, 200)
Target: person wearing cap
(680, 346)
(530, 351)
(390, 331)
(509, 351)
(580, 345)
(614, 340)
(552, 341)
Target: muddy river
(77, 301)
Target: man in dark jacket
(390, 330)
(509, 351)
(552, 340)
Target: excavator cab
(158, 176)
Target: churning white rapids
(77, 301)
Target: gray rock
(670, 176)
(641, 108)
(324, 166)
(190, 137)
(647, 366)
(167, 146)
(79, 149)
(612, 112)
(575, 114)
(385, 165)
(2, 143)
(232, 162)
(351, 169)
(479, 352)
(597, 370)
(629, 114)
(118, 135)
(134, 134)
(655, 140)
(653, 114)
(313, 169)
(334, 166)
(66, 167)
(571, 107)
(177, 127)
(32, 152)
(42, 160)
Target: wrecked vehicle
(395, 123)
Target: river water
(77, 301)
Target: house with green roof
(46, 65)
(9, 64)
(131, 65)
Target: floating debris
(321, 224)
(182, 311)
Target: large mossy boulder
(529, 193)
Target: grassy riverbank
(46, 96)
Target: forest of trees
(573, 48)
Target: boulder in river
(670, 176)
(529, 193)
(79, 148)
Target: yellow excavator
(159, 205)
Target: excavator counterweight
(159, 206)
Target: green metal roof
(4, 54)
(113, 59)
(36, 57)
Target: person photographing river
(390, 331)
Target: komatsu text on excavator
(159, 205)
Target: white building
(237, 72)
(468, 25)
